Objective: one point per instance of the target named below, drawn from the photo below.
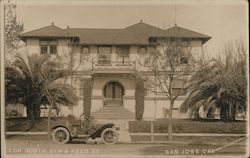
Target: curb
(147, 134)
(190, 134)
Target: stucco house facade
(109, 58)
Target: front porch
(113, 96)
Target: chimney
(67, 26)
(52, 23)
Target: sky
(222, 21)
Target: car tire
(61, 135)
(109, 136)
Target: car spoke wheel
(109, 136)
(61, 135)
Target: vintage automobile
(64, 130)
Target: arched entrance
(113, 93)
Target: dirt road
(43, 146)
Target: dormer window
(48, 47)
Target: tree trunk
(232, 112)
(33, 109)
(30, 117)
(170, 120)
(223, 112)
(48, 122)
(196, 115)
(37, 111)
(30, 112)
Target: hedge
(189, 126)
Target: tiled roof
(48, 31)
(180, 32)
(138, 33)
(135, 34)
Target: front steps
(113, 112)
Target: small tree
(67, 63)
(25, 83)
(87, 99)
(170, 64)
(12, 29)
(139, 99)
(221, 83)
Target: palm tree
(204, 92)
(219, 84)
(27, 78)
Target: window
(178, 91)
(53, 49)
(48, 47)
(178, 87)
(84, 52)
(142, 50)
(183, 60)
(123, 52)
(104, 55)
(44, 49)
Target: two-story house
(109, 58)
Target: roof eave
(38, 37)
(203, 39)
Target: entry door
(114, 91)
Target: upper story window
(48, 46)
(123, 52)
(104, 54)
(84, 52)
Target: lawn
(189, 126)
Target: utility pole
(175, 23)
(2, 55)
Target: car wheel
(109, 136)
(61, 135)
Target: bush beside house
(87, 99)
(139, 99)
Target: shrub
(139, 99)
(189, 126)
(165, 112)
(87, 99)
(13, 113)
